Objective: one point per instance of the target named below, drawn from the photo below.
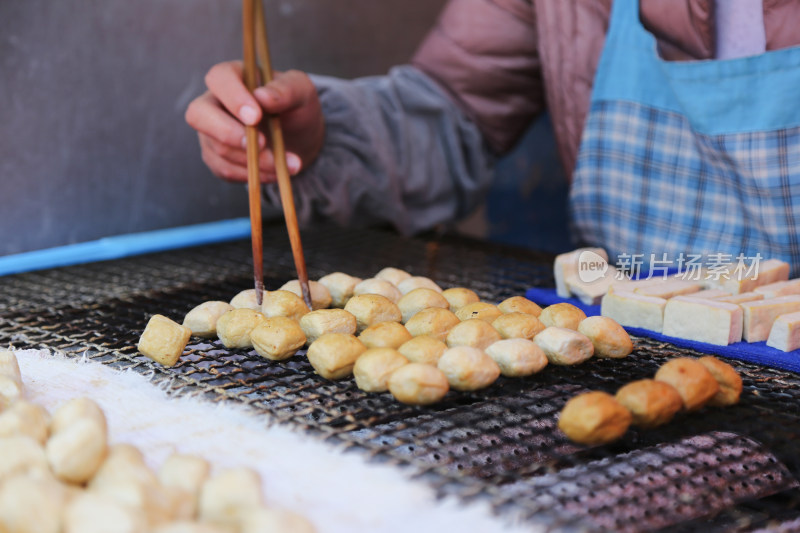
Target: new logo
(591, 266)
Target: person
(677, 121)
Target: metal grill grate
(724, 469)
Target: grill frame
(498, 444)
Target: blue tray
(754, 352)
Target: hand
(219, 116)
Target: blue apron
(689, 158)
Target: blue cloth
(753, 352)
(689, 158)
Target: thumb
(288, 91)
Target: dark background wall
(92, 95)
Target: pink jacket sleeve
(502, 59)
(484, 54)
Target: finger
(224, 169)
(235, 155)
(266, 162)
(206, 115)
(224, 80)
(288, 91)
(232, 172)
(294, 163)
(238, 156)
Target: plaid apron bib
(689, 158)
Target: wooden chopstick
(279, 152)
(253, 181)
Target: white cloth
(740, 28)
(337, 491)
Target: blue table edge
(119, 246)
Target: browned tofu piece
(163, 340)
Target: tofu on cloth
(779, 288)
(669, 289)
(710, 294)
(742, 297)
(634, 310)
(702, 320)
(633, 285)
(759, 315)
(566, 266)
(785, 332)
(767, 272)
(592, 292)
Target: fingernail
(244, 141)
(248, 114)
(267, 95)
(272, 94)
(293, 162)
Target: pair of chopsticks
(255, 40)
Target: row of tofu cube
(753, 305)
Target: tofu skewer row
(594, 418)
(474, 354)
(436, 321)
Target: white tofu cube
(785, 332)
(710, 294)
(592, 292)
(702, 320)
(768, 271)
(760, 314)
(630, 285)
(741, 298)
(779, 288)
(635, 310)
(566, 266)
(669, 289)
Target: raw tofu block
(701, 320)
(741, 298)
(785, 332)
(591, 293)
(631, 285)
(768, 271)
(669, 289)
(635, 310)
(693, 274)
(760, 314)
(779, 288)
(710, 294)
(566, 266)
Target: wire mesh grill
(719, 469)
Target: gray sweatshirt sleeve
(397, 150)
